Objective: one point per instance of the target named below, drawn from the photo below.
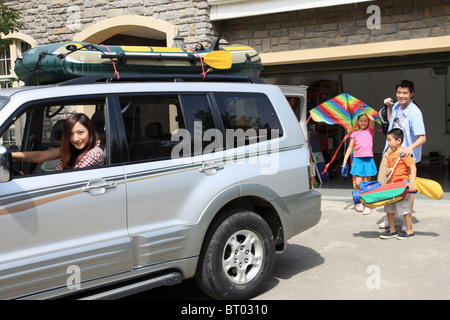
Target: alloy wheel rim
(242, 256)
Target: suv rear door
(297, 98)
(175, 170)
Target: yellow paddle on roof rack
(218, 59)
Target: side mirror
(6, 165)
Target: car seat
(98, 119)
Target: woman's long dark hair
(69, 153)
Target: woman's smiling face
(79, 136)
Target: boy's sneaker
(388, 235)
(404, 235)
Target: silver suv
(203, 178)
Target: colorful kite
(343, 110)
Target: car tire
(237, 257)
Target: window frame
(183, 109)
(214, 97)
(15, 50)
(215, 112)
(121, 127)
(30, 107)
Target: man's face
(404, 96)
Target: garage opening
(371, 80)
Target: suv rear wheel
(237, 258)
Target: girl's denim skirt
(363, 167)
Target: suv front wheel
(237, 258)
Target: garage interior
(371, 80)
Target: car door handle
(210, 168)
(98, 187)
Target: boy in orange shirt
(405, 169)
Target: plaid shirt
(93, 157)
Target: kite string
(335, 154)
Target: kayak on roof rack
(55, 63)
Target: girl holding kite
(363, 167)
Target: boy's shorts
(400, 207)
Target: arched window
(20, 43)
(5, 67)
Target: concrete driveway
(344, 258)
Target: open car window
(39, 127)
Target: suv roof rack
(163, 77)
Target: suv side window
(40, 125)
(251, 112)
(149, 123)
(153, 123)
(199, 119)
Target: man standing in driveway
(406, 115)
